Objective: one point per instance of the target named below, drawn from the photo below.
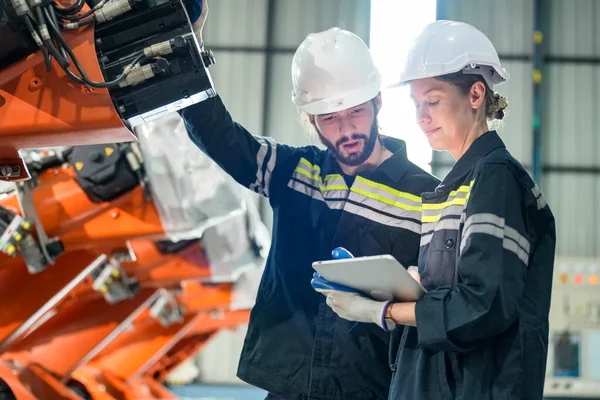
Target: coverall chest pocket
(440, 266)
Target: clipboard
(380, 277)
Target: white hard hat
(445, 47)
(333, 70)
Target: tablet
(380, 277)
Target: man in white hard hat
(361, 193)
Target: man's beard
(353, 159)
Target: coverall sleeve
(491, 269)
(253, 161)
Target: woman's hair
(495, 104)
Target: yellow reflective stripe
(451, 201)
(308, 164)
(314, 175)
(385, 200)
(333, 176)
(439, 206)
(454, 209)
(464, 188)
(333, 187)
(316, 181)
(388, 189)
(306, 173)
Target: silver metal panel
(294, 19)
(571, 131)
(508, 23)
(239, 80)
(574, 200)
(516, 128)
(574, 28)
(236, 23)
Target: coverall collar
(394, 167)
(482, 146)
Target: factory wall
(570, 81)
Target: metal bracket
(166, 309)
(25, 197)
(112, 281)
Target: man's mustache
(355, 136)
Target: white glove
(354, 307)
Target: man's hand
(198, 25)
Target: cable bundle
(44, 20)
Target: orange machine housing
(48, 109)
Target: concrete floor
(214, 392)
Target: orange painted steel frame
(76, 331)
(49, 109)
(65, 211)
(86, 230)
(197, 337)
(135, 352)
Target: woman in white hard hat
(360, 193)
(487, 240)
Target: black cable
(72, 9)
(33, 31)
(55, 20)
(80, 17)
(79, 23)
(50, 45)
(84, 76)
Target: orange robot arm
(71, 75)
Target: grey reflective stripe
(539, 198)
(327, 194)
(446, 223)
(306, 168)
(260, 158)
(335, 194)
(270, 165)
(463, 217)
(305, 179)
(428, 229)
(494, 225)
(387, 208)
(382, 219)
(315, 194)
(455, 209)
(519, 239)
(484, 218)
(358, 183)
(261, 186)
(463, 194)
(512, 246)
(425, 240)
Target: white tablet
(381, 277)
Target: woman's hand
(354, 307)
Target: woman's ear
(477, 95)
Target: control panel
(573, 368)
